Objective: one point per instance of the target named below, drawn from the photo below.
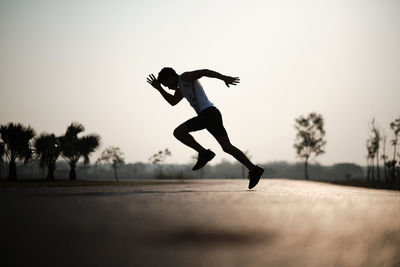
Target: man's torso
(195, 95)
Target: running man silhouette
(208, 117)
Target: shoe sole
(258, 179)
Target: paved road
(201, 223)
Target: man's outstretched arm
(171, 99)
(191, 76)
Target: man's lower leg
(240, 156)
(188, 140)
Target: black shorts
(210, 119)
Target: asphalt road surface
(200, 223)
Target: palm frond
(74, 129)
(88, 144)
(16, 139)
(47, 148)
(2, 151)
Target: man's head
(168, 77)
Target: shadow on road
(193, 235)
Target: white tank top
(195, 95)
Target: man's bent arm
(171, 99)
(192, 76)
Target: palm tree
(16, 139)
(74, 147)
(47, 150)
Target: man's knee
(180, 131)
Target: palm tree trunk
(306, 168)
(12, 173)
(72, 171)
(50, 172)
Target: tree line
(310, 142)
(376, 150)
(19, 142)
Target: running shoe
(203, 158)
(255, 175)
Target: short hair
(165, 73)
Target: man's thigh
(194, 124)
(214, 123)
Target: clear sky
(87, 61)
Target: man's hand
(231, 80)
(154, 82)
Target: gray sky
(87, 61)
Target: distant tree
(310, 138)
(47, 149)
(384, 156)
(74, 147)
(112, 155)
(159, 158)
(398, 166)
(377, 140)
(395, 126)
(16, 141)
(373, 144)
(370, 160)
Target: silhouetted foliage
(2, 155)
(16, 140)
(47, 149)
(74, 147)
(159, 158)
(309, 138)
(373, 144)
(384, 156)
(395, 126)
(114, 156)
